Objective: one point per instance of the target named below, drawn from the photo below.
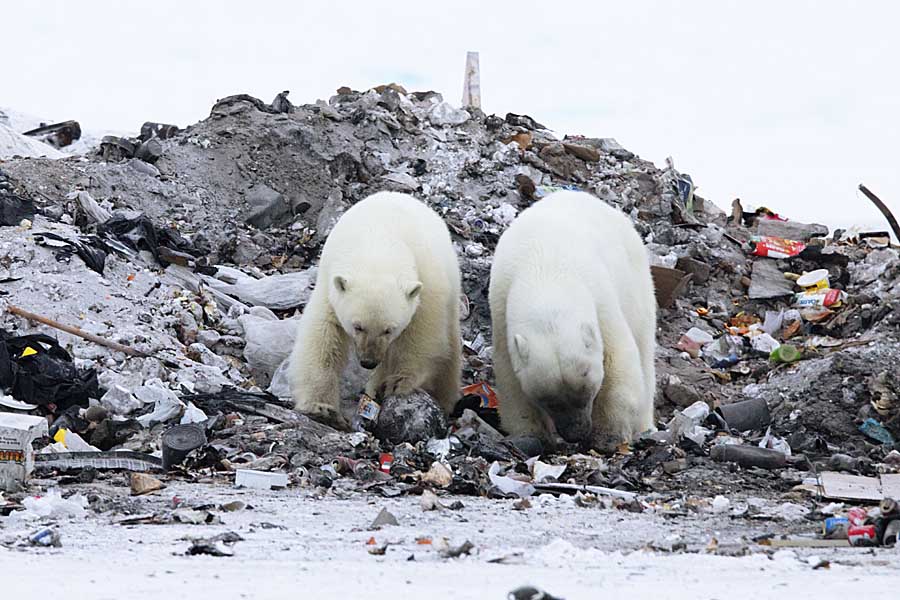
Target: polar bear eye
(388, 331)
(358, 328)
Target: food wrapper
(774, 247)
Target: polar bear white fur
(574, 323)
(388, 282)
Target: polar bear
(574, 323)
(388, 282)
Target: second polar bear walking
(574, 323)
(389, 283)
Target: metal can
(862, 535)
(857, 515)
(835, 528)
(386, 461)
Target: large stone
(790, 230)
(768, 281)
(585, 153)
(413, 418)
(267, 207)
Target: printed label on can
(368, 409)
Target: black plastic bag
(37, 370)
(94, 255)
(139, 234)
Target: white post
(472, 82)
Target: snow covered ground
(295, 544)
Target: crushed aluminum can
(862, 535)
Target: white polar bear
(388, 281)
(574, 323)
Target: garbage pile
(169, 281)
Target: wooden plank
(890, 486)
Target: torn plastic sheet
(508, 485)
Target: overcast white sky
(785, 104)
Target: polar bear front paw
(324, 413)
(398, 384)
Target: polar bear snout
(368, 363)
(570, 415)
(573, 426)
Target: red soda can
(862, 535)
(857, 515)
(385, 461)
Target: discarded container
(857, 515)
(366, 414)
(817, 279)
(819, 298)
(385, 462)
(259, 480)
(746, 415)
(178, 441)
(891, 533)
(862, 535)
(748, 456)
(785, 353)
(774, 247)
(16, 454)
(835, 528)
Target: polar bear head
(559, 365)
(374, 311)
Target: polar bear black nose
(368, 363)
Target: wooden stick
(883, 208)
(74, 331)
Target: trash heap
(152, 287)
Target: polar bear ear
(340, 283)
(412, 290)
(521, 347)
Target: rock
(119, 400)
(267, 208)
(611, 146)
(768, 281)
(585, 153)
(141, 484)
(680, 394)
(790, 230)
(698, 269)
(281, 104)
(401, 182)
(208, 337)
(149, 151)
(438, 475)
(413, 418)
(444, 114)
(384, 519)
(96, 413)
